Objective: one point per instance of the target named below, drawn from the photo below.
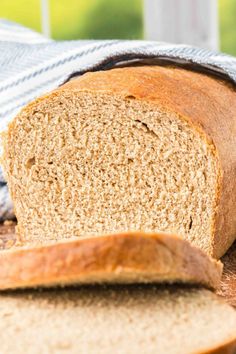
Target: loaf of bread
(120, 258)
(139, 148)
(130, 320)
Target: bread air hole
(30, 163)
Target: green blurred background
(101, 19)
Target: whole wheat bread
(138, 148)
(128, 320)
(121, 258)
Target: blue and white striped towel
(31, 65)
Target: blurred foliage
(121, 20)
(227, 17)
(26, 12)
(98, 19)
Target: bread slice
(121, 258)
(138, 148)
(127, 320)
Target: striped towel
(31, 65)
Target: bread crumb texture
(113, 166)
(123, 320)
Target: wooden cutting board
(228, 283)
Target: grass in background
(25, 12)
(227, 17)
(80, 19)
(96, 19)
(99, 19)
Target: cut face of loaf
(130, 149)
(127, 320)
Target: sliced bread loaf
(130, 320)
(137, 148)
(120, 258)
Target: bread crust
(226, 348)
(206, 102)
(133, 257)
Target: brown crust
(226, 348)
(119, 258)
(208, 103)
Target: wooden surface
(228, 284)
